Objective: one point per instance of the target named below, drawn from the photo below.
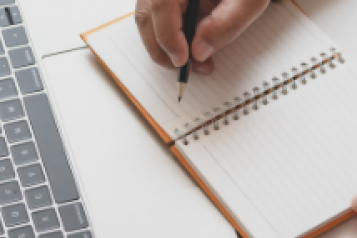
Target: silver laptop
(39, 195)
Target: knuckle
(160, 59)
(158, 5)
(226, 28)
(164, 40)
(261, 3)
(142, 17)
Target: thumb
(224, 24)
(354, 204)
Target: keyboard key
(17, 131)
(4, 67)
(6, 170)
(15, 15)
(52, 235)
(3, 147)
(51, 148)
(85, 234)
(7, 88)
(15, 36)
(10, 192)
(23, 232)
(2, 50)
(29, 80)
(45, 220)
(22, 57)
(2, 231)
(15, 215)
(10, 110)
(4, 2)
(4, 20)
(24, 153)
(31, 175)
(38, 197)
(73, 217)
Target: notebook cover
(167, 139)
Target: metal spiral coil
(270, 90)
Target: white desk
(101, 123)
(152, 196)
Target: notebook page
(282, 38)
(293, 160)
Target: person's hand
(354, 204)
(220, 22)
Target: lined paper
(282, 38)
(293, 160)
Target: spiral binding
(271, 91)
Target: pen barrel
(183, 72)
(191, 21)
(189, 31)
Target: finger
(206, 7)
(224, 24)
(354, 204)
(205, 67)
(167, 24)
(144, 22)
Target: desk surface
(161, 172)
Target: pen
(190, 23)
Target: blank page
(282, 38)
(292, 162)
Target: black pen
(190, 24)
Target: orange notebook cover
(168, 140)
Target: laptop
(39, 191)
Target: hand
(219, 23)
(354, 203)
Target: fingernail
(203, 70)
(175, 60)
(203, 51)
(354, 203)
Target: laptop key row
(43, 127)
(34, 170)
(9, 16)
(29, 81)
(5, 2)
(28, 232)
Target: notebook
(269, 136)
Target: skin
(220, 22)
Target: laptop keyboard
(38, 193)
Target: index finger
(167, 23)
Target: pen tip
(179, 99)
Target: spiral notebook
(270, 136)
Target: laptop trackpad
(56, 25)
(133, 185)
